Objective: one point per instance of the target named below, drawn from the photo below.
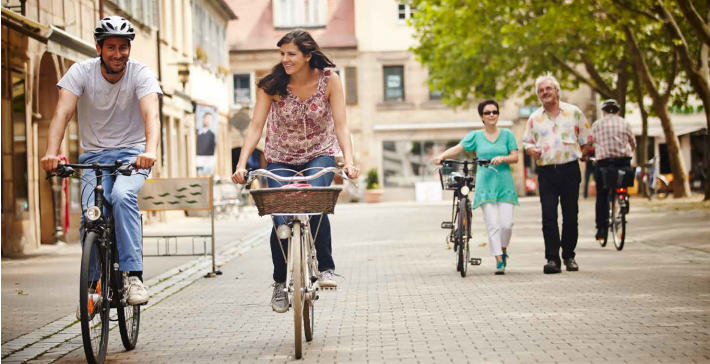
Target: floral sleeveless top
(301, 130)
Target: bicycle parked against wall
(298, 201)
(651, 183)
(102, 286)
(617, 179)
(459, 177)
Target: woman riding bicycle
(495, 191)
(303, 105)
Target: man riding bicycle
(613, 144)
(117, 103)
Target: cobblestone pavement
(402, 301)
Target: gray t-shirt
(110, 114)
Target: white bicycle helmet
(611, 106)
(114, 26)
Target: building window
(209, 36)
(404, 12)
(434, 95)
(394, 83)
(144, 12)
(242, 89)
(300, 13)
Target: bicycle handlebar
(67, 170)
(480, 162)
(253, 173)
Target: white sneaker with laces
(327, 279)
(137, 294)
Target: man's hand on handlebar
(50, 162)
(145, 160)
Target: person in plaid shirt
(613, 144)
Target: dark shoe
(571, 265)
(601, 233)
(551, 267)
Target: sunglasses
(490, 112)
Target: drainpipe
(160, 99)
(101, 9)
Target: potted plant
(373, 192)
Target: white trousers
(499, 224)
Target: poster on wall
(206, 124)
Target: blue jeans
(121, 192)
(324, 251)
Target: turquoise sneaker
(500, 268)
(505, 259)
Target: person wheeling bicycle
(117, 103)
(303, 106)
(613, 144)
(495, 190)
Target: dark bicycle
(617, 179)
(103, 286)
(459, 176)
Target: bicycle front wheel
(298, 284)
(462, 237)
(129, 318)
(618, 223)
(94, 302)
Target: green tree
(465, 43)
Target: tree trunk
(643, 144)
(681, 187)
(705, 74)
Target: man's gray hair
(547, 76)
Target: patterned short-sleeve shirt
(560, 137)
(298, 130)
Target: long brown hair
(276, 82)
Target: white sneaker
(137, 294)
(327, 279)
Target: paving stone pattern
(402, 301)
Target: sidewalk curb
(58, 338)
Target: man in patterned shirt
(613, 144)
(554, 136)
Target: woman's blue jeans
(324, 251)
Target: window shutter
(351, 85)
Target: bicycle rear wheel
(128, 317)
(462, 237)
(94, 300)
(609, 221)
(298, 284)
(618, 224)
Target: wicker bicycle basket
(296, 200)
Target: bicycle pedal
(476, 261)
(447, 225)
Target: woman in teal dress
(495, 191)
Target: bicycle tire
(310, 276)
(129, 318)
(94, 327)
(298, 284)
(618, 224)
(462, 225)
(609, 221)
